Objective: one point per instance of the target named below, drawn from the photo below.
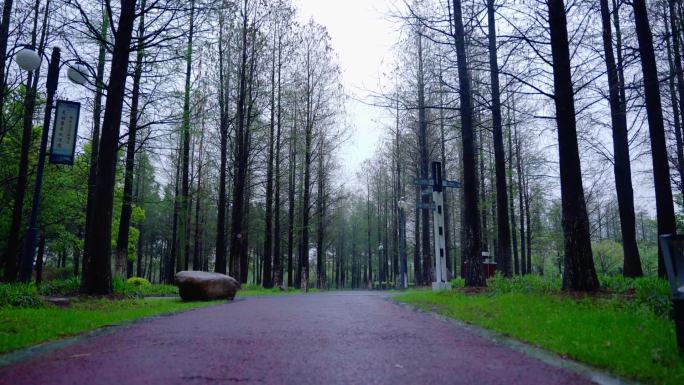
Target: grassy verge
(252, 290)
(621, 336)
(23, 327)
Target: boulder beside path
(205, 286)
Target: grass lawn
(23, 327)
(251, 290)
(628, 340)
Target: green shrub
(524, 284)
(19, 295)
(654, 293)
(120, 287)
(651, 293)
(60, 287)
(457, 283)
(136, 287)
(616, 284)
(138, 281)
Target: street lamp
(28, 59)
(403, 278)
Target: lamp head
(27, 58)
(78, 73)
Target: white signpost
(437, 206)
(64, 133)
(441, 280)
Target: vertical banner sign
(64, 132)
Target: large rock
(204, 286)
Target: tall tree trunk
(514, 238)
(528, 224)
(173, 256)
(140, 198)
(98, 280)
(446, 204)
(661, 168)
(503, 252)
(224, 87)
(308, 136)
(291, 200)
(184, 219)
(268, 230)
(580, 274)
(238, 233)
(277, 256)
(483, 191)
(424, 163)
(521, 206)
(247, 145)
(121, 260)
(196, 257)
(368, 234)
(621, 163)
(472, 249)
(400, 231)
(95, 141)
(320, 218)
(40, 259)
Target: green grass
(23, 327)
(624, 337)
(133, 289)
(252, 290)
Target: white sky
(363, 38)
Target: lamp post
(28, 59)
(381, 271)
(403, 278)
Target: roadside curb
(596, 375)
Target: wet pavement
(326, 338)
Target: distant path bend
(326, 338)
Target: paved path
(330, 338)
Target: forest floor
(604, 331)
(319, 338)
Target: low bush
(138, 281)
(617, 284)
(457, 283)
(139, 287)
(524, 284)
(654, 293)
(60, 287)
(20, 295)
(651, 293)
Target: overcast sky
(363, 37)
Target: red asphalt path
(328, 338)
